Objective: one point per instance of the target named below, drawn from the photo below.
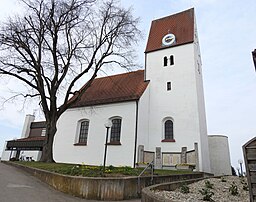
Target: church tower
(176, 108)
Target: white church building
(157, 114)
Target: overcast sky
(227, 36)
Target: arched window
(165, 61)
(171, 60)
(83, 127)
(168, 130)
(115, 130)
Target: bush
(207, 194)
(245, 185)
(222, 179)
(14, 159)
(208, 184)
(184, 189)
(233, 189)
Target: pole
(241, 170)
(240, 161)
(105, 153)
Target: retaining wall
(102, 188)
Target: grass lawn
(95, 171)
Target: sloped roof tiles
(111, 89)
(180, 24)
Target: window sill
(114, 143)
(168, 140)
(81, 144)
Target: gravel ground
(220, 190)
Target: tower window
(165, 61)
(168, 129)
(169, 85)
(171, 60)
(168, 133)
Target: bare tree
(56, 43)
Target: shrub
(111, 167)
(222, 179)
(208, 184)
(245, 185)
(207, 194)
(233, 189)
(184, 189)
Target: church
(155, 114)
(159, 109)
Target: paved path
(19, 186)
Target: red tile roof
(111, 89)
(180, 24)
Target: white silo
(219, 155)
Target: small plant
(245, 185)
(208, 184)
(111, 167)
(207, 194)
(233, 189)
(184, 189)
(222, 179)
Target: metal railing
(151, 166)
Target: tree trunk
(47, 153)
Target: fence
(249, 150)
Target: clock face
(168, 40)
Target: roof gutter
(136, 133)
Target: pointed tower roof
(180, 24)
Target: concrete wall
(115, 189)
(219, 155)
(92, 153)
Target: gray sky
(227, 36)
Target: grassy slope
(95, 171)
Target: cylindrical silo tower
(219, 155)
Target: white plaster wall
(219, 155)
(6, 154)
(205, 158)
(26, 126)
(181, 103)
(34, 154)
(65, 151)
(143, 119)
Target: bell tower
(176, 103)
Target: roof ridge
(114, 75)
(178, 13)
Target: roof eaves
(166, 47)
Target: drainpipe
(136, 134)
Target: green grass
(95, 171)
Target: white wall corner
(26, 127)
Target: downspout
(136, 133)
